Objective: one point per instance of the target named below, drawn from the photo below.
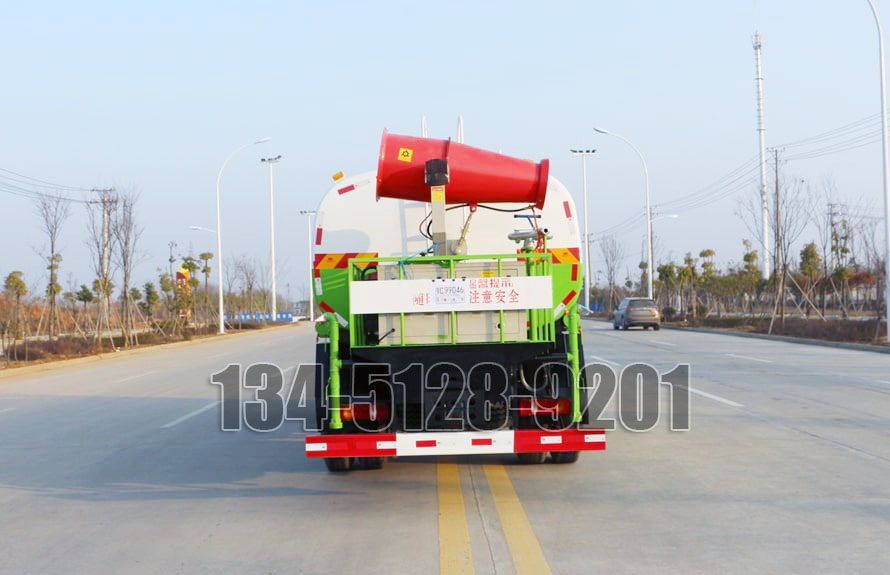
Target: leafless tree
(126, 233)
(99, 244)
(247, 272)
(613, 254)
(53, 211)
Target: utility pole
(172, 259)
(309, 214)
(780, 256)
(271, 162)
(761, 128)
(778, 252)
(831, 214)
(586, 255)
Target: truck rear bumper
(454, 443)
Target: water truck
(449, 283)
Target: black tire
(624, 326)
(564, 456)
(656, 327)
(371, 462)
(615, 326)
(531, 458)
(338, 464)
(646, 327)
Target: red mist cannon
(475, 176)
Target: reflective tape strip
(334, 261)
(565, 255)
(318, 232)
(341, 320)
(574, 272)
(568, 209)
(319, 287)
(454, 443)
(346, 189)
(569, 297)
(559, 309)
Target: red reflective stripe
(317, 273)
(318, 236)
(353, 445)
(482, 441)
(568, 210)
(530, 441)
(348, 188)
(569, 297)
(425, 443)
(325, 307)
(574, 272)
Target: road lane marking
(748, 358)
(8, 409)
(455, 551)
(884, 381)
(521, 539)
(659, 342)
(714, 397)
(602, 359)
(136, 376)
(190, 415)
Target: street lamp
(309, 214)
(648, 209)
(585, 257)
(271, 162)
(219, 264)
(886, 159)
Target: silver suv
(637, 311)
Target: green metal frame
(542, 324)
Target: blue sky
(153, 96)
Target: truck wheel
(371, 462)
(338, 464)
(565, 456)
(656, 327)
(531, 458)
(615, 326)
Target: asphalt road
(120, 466)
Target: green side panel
(563, 285)
(335, 292)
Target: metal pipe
(885, 148)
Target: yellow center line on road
(524, 546)
(455, 552)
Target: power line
(43, 182)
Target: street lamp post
(219, 264)
(585, 257)
(886, 164)
(648, 209)
(271, 162)
(309, 214)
